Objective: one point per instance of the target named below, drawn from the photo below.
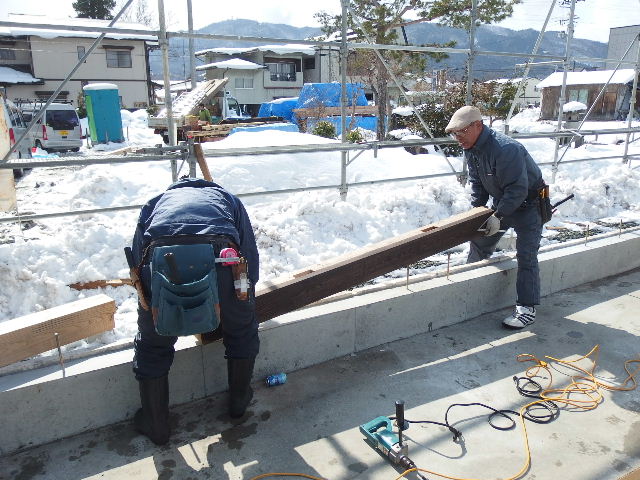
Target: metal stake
(586, 237)
(448, 263)
(620, 231)
(407, 284)
(60, 358)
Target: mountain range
(488, 38)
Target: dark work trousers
(527, 223)
(154, 353)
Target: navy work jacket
(195, 207)
(502, 168)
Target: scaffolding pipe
(344, 155)
(168, 101)
(53, 96)
(527, 66)
(192, 57)
(563, 89)
(632, 103)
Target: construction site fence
(184, 156)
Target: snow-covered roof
(596, 77)
(280, 49)
(233, 64)
(9, 75)
(75, 22)
(512, 80)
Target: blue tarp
(283, 127)
(328, 94)
(283, 107)
(313, 95)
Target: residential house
(529, 94)
(619, 40)
(268, 72)
(584, 87)
(33, 62)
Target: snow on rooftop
(587, 78)
(233, 63)
(281, 49)
(73, 22)
(9, 75)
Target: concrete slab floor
(310, 424)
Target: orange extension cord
(584, 385)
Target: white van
(13, 121)
(58, 129)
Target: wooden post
(202, 162)
(24, 337)
(7, 190)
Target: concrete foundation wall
(101, 390)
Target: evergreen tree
(99, 9)
(380, 20)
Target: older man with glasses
(501, 168)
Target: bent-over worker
(194, 212)
(501, 168)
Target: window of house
(244, 82)
(7, 54)
(310, 63)
(118, 58)
(579, 95)
(282, 71)
(81, 52)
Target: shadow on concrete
(310, 424)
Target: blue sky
(595, 17)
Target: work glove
(491, 226)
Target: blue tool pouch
(184, 290)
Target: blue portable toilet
(103, 112)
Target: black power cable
(526, 387)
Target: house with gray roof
(34, 61)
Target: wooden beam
(202, 162)
(118, 282)
(332, 111)
(24, 337)
(302, 288)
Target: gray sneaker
(521, 317)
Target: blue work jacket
(502, 168)
(196, 207)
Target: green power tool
(379, 434)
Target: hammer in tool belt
(135, 278)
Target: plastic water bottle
(276, 379)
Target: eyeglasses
(461, 132)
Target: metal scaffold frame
(185, 152)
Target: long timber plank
(317, 282)
(26, 336)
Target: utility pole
(472, 41)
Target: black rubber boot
(239, 372)
(152, 419)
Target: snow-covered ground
(293, 230)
